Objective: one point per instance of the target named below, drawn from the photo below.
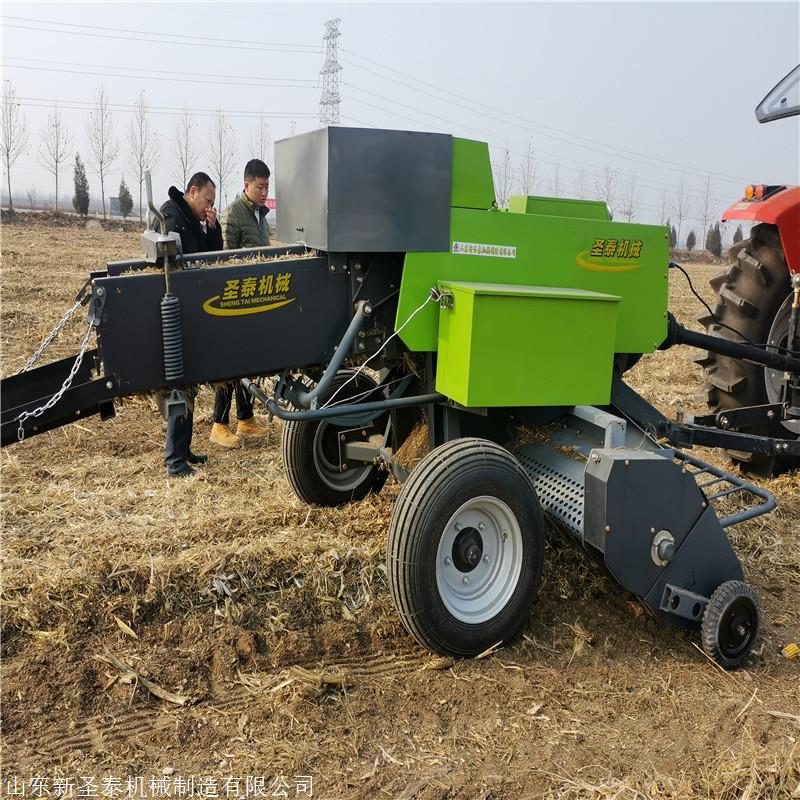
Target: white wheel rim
(475, 590)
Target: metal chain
(37, 412)
(51, 337)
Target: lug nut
(481, 526)
(448, 561)
(466, 580)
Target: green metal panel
(503, 345)
(623, 259)
(558, 207)
(473, 186)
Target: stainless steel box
(350, 190)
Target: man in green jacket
(244, 224)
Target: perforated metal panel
(558, 490)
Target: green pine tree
(125, 200)
(80, 200)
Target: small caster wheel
(730, 624)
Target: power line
(159, 41)
(84, 105)
(528, 130)
(192, 37)
(514, 172)
(662, 187)
(313, 81)
(162, 78)
(673, 164)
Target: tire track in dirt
(97, 733)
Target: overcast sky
(661, 93)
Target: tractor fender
(782, 210)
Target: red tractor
(757, 302)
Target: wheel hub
(737, 626)
(326, 460)
(467, 549)
(479, 559)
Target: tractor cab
(783, 100)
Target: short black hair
(254, 169)
(199, 179)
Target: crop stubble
(271, 621)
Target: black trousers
(178, 442)
(222, 403)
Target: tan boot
(249, 427)
(222, 436)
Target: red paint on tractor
(782, 210)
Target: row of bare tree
(607, 185)
(141, 145)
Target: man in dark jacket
(193, 216)
(244, 224)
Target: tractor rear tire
(310, 452)
(750, 295)
(465, 550)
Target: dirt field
(218, 628)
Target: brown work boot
(249, 427)
(222, 436)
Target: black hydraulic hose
(677, 334)
(339, 411)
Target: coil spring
(172, 339)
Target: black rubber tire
(749, 296)
(302, 470)
(449, 476)
(733, 603)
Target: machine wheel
(465, 548)
(752, 298)
(311, 456)
(730, 624)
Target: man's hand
(211, 217)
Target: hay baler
(507, 332)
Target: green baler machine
(476, 323)
(539, 244)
